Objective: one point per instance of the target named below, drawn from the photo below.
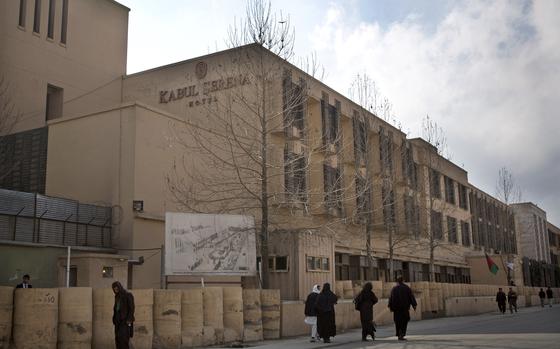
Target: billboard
(206, 244)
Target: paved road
(529, 328)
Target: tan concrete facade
(88, 65)
(123, 138)
(530, 224)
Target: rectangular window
(332, 187)
(37, 17)
(449, 190)
(330, 121)
(435, 186)
(294, 172)
(389, 209)
(63, 29)
(22, 12)
(54, 102)
(281, 263)
(465, 233)
(360, 139)
(363, 197)
(412, 215)
(463, 197)
(50, 28)
(318, 264)
(452, 230)
(386, 150)
(436, 220)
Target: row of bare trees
(232, 162)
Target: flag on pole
(491, 265)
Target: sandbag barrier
(82, 318)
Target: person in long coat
(324, 306)
(364, 302)
(123, 315)
(311, 312)
(400, 301)
(501, 299)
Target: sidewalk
(488, 331)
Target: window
(363, 197)
(436, 219)
(37, 17)
(63, 29)
(465, 233)
(330, 119)
(332, 187)
(275, 263)
(449, 190)
(54, 102)
(50, 27)
(409, 167)
(452, 230)
(318, 263)
(294, 99)
(294, 172)
(463, 196)
(389, 209)
(22, 11)
(360, 139)
(412, 215)
(107, 272)
(435, 186)
(386, 150)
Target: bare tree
(435, 205)
(249, 151)
(376, 184)
(507, 188)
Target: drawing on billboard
(209, 244)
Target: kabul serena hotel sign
(206, 87)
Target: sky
(488, 72)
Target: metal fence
(30, 217)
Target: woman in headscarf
(364, 303)
(324, 306)
(123, 315)
(311, 312)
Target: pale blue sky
(487, 71)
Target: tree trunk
(369, 229)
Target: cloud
(488, 74)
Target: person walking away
(550, 296)
(541, 296)
(512, 300)
(311, 312)
(326, 325)
(400, 301)
(123, 315)
(364, 302)
(501, 299)
(25, 282)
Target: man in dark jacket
(550, 296)
(541, 296)
(326, 324)
(25, 282)
(311, 312)
(501, 299)
(364, 302)
(400, 301)
(123, 315)
(512, 300)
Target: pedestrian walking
(364, 302)
(501, 299)
(123, 315)
(512, 300)
(400, 301)
(542, 295)
(311, 312)
(550, 296)
(326, 325)
(25, 282)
